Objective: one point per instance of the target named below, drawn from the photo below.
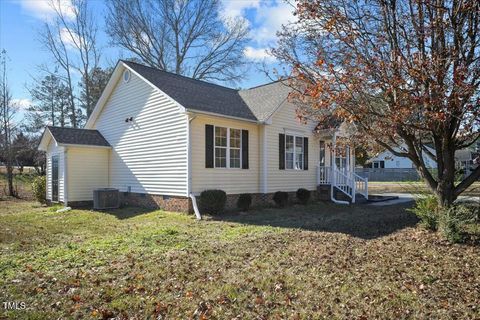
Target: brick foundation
(154, 201)
(81, 204)
(260, 200)
(184, 204)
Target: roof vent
(126, 76)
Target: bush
(426, 209)
(244, 201)
(39, 188)
(213, 201)
(303, 195)
(280, 198)
(453, 221)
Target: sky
(22, 20)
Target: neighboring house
(388, 160)
(160, 138)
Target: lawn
(302, 262)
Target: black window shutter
(281, 151)
(382, 164)
(244, 149)
(208, 146)
(305, 153)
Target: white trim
(264, 161)
(189, 156)
(43, 145)
(222, 115)
(65, 177)
(82, 146)
(227, 153)
(295, 151)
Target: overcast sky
(21, 20)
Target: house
(161, 139)
(388, 160)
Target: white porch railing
(361, 185)
(323, 175)
(347, 182)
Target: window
(294, 152)
(378, 164)
(228, 145)
(235, 147)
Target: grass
(22, 183)
(315, 261)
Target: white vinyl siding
(284, 121)
(87, 169)
(231, 180)
(149, 154)
(53, 150)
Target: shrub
(280, 198)
(39, 188)
(303, 195)
(453, 221)
(244, 201)
(426, 209)
(213, 201)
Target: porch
(336, 169)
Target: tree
(184, 37)
(405, 72)
(71, 39)
(96, 82)
(7, 125)
(51, 103)
(23, 151)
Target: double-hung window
(228, 144)
(294, 152)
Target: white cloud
(22, 103)
(269, 18)
(45, 9)
(260, 54)
(236, 9)
(71, 39)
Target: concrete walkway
(402, 198)
(410, 197)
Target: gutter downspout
(264, 161)
(189, 168)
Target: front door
(55, 178)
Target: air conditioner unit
(105, 198)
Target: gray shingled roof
(195, 94)
(78, 136)
(264, 100)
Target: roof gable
(264, 100)
(256, 104)
(73, 136)
(195, 94)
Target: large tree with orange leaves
(405, 72)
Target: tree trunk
(445, 191)
(11, 190)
